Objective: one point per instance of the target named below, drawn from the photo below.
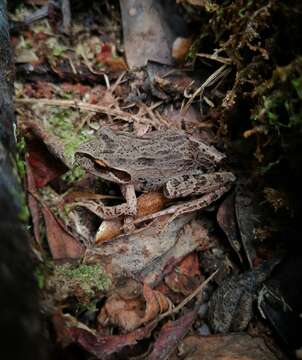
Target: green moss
(73, 175)
(280, 98)
(82, 281)
(61, 124)
(40, 277)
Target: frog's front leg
(129, 208)
(213, 186)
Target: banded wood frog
(170, 160)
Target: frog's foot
(129, 226)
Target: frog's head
(94, 156)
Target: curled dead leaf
(186, 277)
(129, 314)
(108, 230)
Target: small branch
(80, 105)
(66, 13)
(220, 59)
(190, 297)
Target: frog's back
(156, 157)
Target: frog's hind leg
(187, 206)
(197, 184)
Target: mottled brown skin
(147, 162)
(169, 159)
(231, 306)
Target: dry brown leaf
(61, 244)
(150, 253)
(186, 277)
(240, 346)
(170, 334)
(103, 346)
(108, 230)
(156, 303)
(129, 314)
(124, 313)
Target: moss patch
(82, 281)
(62, 124)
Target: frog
(168, 160)
(231, 305)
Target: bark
(20, 325)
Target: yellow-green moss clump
(62, 124)
(81, 281)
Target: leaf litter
(134, 286)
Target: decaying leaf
(33, 204)
(147, 34)
(130, 313)
(186, 276)
(151, 252)
(61, 244)
(239, 346)
(247, 218)
(108, 230)
(45, 167)
(170, 334)
(226, 219)
(104, 346)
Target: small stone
(203, 310)
(132, 11)
(204, 330)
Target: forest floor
(175, 278)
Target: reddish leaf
(103, 346)
(44, 166)
(186, 276)
(32, 202)
(170, 334)
(61, 244)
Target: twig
(190, 297)
(66, 13)
(220, 59)
(212, 79)
(119, 114)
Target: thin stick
(220, 59)
(190, 297)
(214, 77)
(119, 114)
